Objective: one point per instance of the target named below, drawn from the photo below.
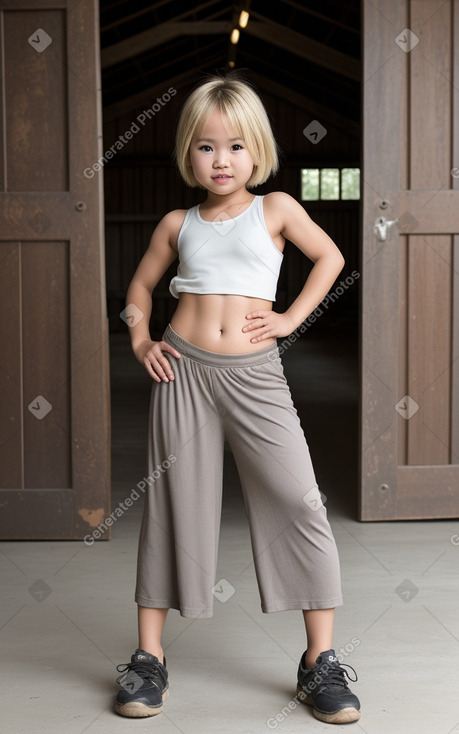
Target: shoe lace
(145, 670)
(336, 675)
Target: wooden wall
(142, 184)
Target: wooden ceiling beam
(294, 81)
(147, 96)
(159, 35)
(269, 31)
(321, 112)
(163, 70)
(333, 21)
(304, 47)
(155, 6)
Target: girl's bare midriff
(214, 322)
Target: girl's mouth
(221, 178)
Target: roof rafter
(146, 96)
(299, 100)
(157, 36)
(269, 31)
(129, 104)
(133, 16)
(305, 47)
(333, 21)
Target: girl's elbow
(340, 261)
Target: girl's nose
(220, 159)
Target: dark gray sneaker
(144, 686)
(324, 687)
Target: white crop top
(233, 256)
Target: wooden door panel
(429, 349)
(54, 429)
(426, 492)
(44, 514)
(36, 88)
(409, 333)
(46, 369)
(10, 382)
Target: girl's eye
(205, 148)
(236, 146)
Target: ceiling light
(243, 19)
(234, 38)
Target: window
(330, 184)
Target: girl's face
(219, 157)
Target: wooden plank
(90, 381)
(33, 4)
(380, 262)
(429, 349)
(45, 513)
(455, 264)
(36, 215)
(11, 459)
(35, 86)
(430, 211)
(46, 366)
(402, 426)
(427, 492)
(403, 346)
(3, 146)
(429, 301)
(454, 457)
(430, 95)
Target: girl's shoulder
(280, 199)
(281, 206)
(174, 218)
(170, 226)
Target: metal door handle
(381, 226)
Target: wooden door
(54, 382)
(410, 280)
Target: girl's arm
(157, 259)
(296, 225)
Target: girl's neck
(224, 201)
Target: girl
(217, 375)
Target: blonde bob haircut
(242, 106)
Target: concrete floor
(68, 616)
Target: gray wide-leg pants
(245, 399)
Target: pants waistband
(217, 359)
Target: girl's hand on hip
(267, 324)
(150, 354)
